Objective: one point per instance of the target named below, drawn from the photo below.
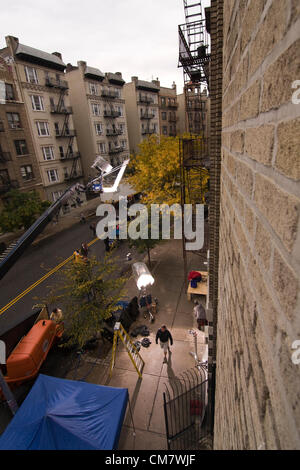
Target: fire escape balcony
(53, 82)
(173, 119)
(114, 150)
(109, 94)
(65, 133)
(146, 99)
(111, 113)
(5, 157)
(70, 156)
(149, 131)
(56, 109)
(147, 116)
(113, 132)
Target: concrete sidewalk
(146, 395)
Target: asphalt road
(39, 259)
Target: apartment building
(43, 89)
(168, 110)
(99, 114)
(194, 111)
(142, 110)
(18, 165)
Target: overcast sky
(135, 37)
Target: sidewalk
(146, 395)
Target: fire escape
(110, 113)
(62, 86)
(194, 58)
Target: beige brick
(286, 285)
(226, 140)
(263, 244)
(249, 219)
(269, 34)
(288, 439)
(288, 149)
(295, 13)
(259, 143)
(256, 415)
(251, 19)
(280, 208)
(272, 440)
(237, 141)
(250, 102)
(278, 79)
(242, 74)
(244, 175)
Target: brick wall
(257, 385)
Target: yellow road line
(26, 291)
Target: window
(96, 109)
(123, 144)
(42, 128)
(101, 147)
(117, 92)
(120, 110)
(37, 102)
(21, 147)
(93, 89)
(14, 120)
(9, 92)
(56, 195)
(48, 153)
(31, 75)
(153, 112)
(52, 176)
(122, 128)
(165, 130)
(26, 172)
(163, 101)
(164, 116)
(98, 128)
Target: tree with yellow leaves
(155, 172)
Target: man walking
(163, 335)
(200, 315)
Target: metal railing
(65, 133)
(58, 109)
(111, 113)
(69, 156)
(53, 82)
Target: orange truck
(25, 359)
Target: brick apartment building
(254, 222)
(168, 110)
(99, 114)
(43, 89)
(18, 165)
(142, 110)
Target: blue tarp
(61, 414)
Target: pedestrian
(163, 335)
(200, 315)
(93, 228)
(106, 243)
(82, 218)
(84, 250)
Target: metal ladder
(133, 353)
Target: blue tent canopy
(61, 414)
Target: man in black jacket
(163, 335)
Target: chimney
(12, 42)
(58, 54)
(134, 79)
(174, 86)
(119, 74)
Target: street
(41, 258)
